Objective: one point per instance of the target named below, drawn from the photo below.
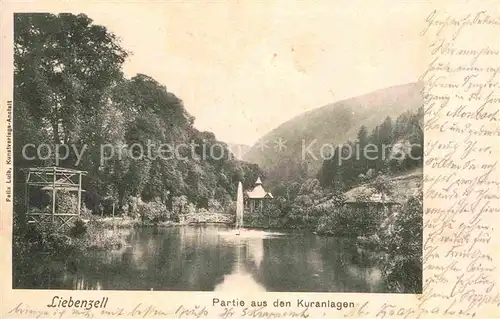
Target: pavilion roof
(258, 191)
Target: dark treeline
(390, 148)
(70, 89)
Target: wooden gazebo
(53, 179)
(255, 197)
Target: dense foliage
(70, 90)
(396, 234)
(400, 239)
(37, 248)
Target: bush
(349, 222)
(214, 206)
(289, 216)
(155, 211)
(403, 266)
(39, 244)
(190, 208)
(230, 208)
(66, 203)
(178, 204)
(85, 212)
(402, 245)
(99, 237)
(78, 230)
(131, 207)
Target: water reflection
(208, 258)
(240, 277)
(256, 251)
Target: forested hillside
(70, 90)
(391, 147)
(335, 124)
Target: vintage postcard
(250, 159)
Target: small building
(254, 199)
(363, 196)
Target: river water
(215, 258)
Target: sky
(243, 68)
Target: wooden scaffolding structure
(53, 179)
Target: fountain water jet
(248, 233)
(239, 207)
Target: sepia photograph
(155, 154)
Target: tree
(363, 136)
(178, 204)
(293, 190)
(63, 66)
(361, 162)
(385, 132)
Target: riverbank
(228, 220)
(38, 248)
(251, 222)
(394, 238)
(182, 220)
(102, 237)
(161, 259)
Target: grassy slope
(334, 123)
(403, 185)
